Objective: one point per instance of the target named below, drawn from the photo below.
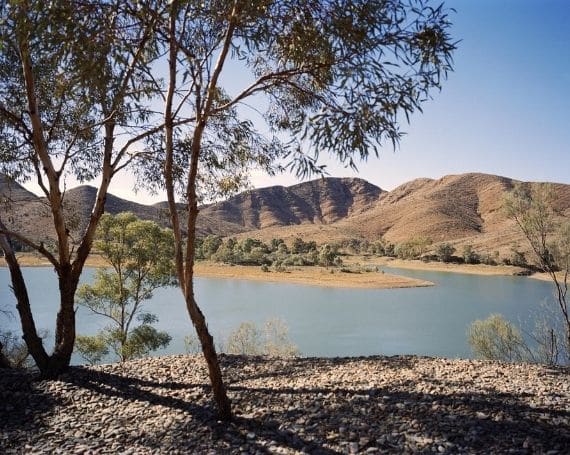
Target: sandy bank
(546, 277)
(473, 269)
(311, 276)
(401, 404)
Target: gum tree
(334, 76)
(139, 257)
(73, 76)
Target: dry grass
(312, 276)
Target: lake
(322, 321)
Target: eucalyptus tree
(327, 76)
(73, 76)
(139, 258)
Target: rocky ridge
(462, 209)
(400, 404)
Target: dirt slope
(465, 208)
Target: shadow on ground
(324, 419)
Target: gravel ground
(369, 405)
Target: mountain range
(465, 208)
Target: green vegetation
(271, 340)
(13, 351)
(414, 248)
(279, 255)
(445, 252)
(276, 254)
(496, 339)
(548, 235)
(139, 254)
(470, 256)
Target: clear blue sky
(505, 110)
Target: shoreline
(320, 276)
(311, 276)
(469, 269)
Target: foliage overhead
(326, 76)
(90, 66)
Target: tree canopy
(139, 254)
(82, 83)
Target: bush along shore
(400, 404)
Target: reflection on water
(322, 321)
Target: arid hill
(464, 208)
(320, 201)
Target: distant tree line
(278, 254)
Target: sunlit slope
(465, 208)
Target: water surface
(322, 321)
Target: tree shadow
(159, 393)
(275, 411)
(240, 368)
(25, 405)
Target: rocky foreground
(350, 405)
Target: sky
(505, 109)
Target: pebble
(400, 404)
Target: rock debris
(368, 405)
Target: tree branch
(39, 248)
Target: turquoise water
(322, 321)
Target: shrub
(496, 339)
(445, 252)
(92, 348)
(518, 258)
(13, 351)
(487, 259)
(470, 256)
(272, 340)
(245, 340)
(413, 248)
(327, 255)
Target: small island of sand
(313, 276)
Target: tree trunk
(65, 325)
(208, 348)
(33, 341)
(185, 266)
(568, 344)
(58, 362)
(218, 388)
